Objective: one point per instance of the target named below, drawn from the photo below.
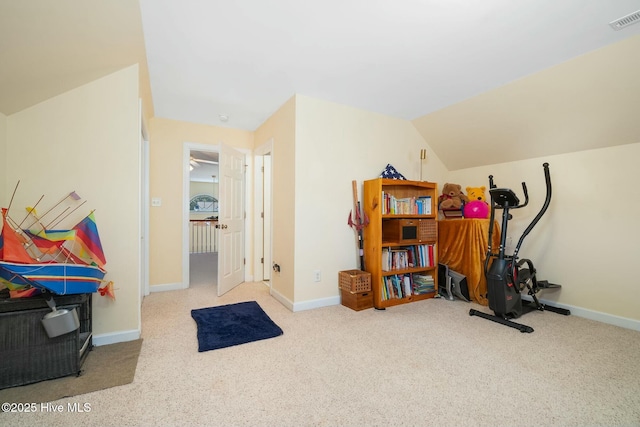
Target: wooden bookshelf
(403, 218)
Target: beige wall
(588, 239)
(166, 142)
(280, 128)
(336, 144)
(87, 140)
(3, 163)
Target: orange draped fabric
(462, 245)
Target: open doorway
(227, 231)
(203, 192)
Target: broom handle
(356, 207)
(354, 186)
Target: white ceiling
(403, 58)
(244, 59)
(204, 171)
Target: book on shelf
(399, 259)
(391, 205)
(426, 255)
(424, 205)
(407, 257)
(404, 285)
(397, 286)
(386, 265)
(406, 282)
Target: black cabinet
(27, 353)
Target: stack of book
(423, 284)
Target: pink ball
(476, 209)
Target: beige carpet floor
(423, 364)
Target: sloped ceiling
(589, 102)
(50, 47)
(483, 82)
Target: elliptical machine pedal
(544, 284)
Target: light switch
(156, 201)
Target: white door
(230, 219)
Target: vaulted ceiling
(483, 82)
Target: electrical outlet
(317, 276)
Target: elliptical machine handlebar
(505, 198)
(547, 200)
(526, 196)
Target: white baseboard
(598, 316)
(167, 287)
(179, 286)
(316, 303)
(281, 299)
(305, 305)
(115, 337)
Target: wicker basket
(354, 281)
(28, 354)
(427, 230)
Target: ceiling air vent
(625, 21)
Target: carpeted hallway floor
(203, 269)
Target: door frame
(187, 147)
(259, 196)
(143, 183)
(144, 214)
(186, 153)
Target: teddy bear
(477, 206)
(452, 196)
(476, 193)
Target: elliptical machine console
(508, 277)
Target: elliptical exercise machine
(507, 277)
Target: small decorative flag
(107, 290)
(391, 173)
(87, 235)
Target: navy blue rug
(233, 324)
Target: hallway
(203, 269)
